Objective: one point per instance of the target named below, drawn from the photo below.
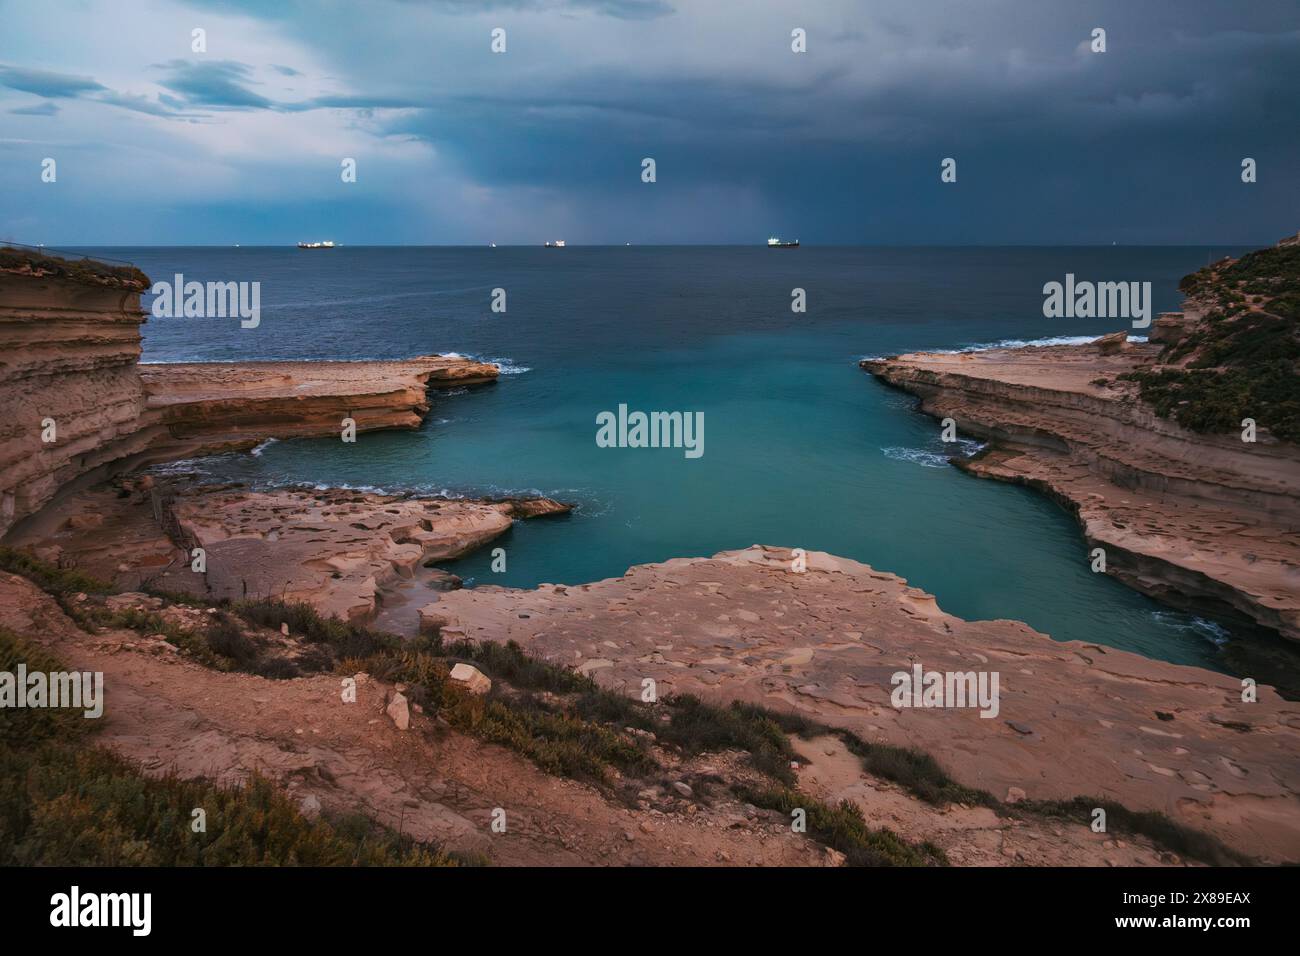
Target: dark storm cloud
(843, 143)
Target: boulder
(535, 507)
(471, 678)
(400, 710)
(1170, 328)
(1113, 343)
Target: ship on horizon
(554, 244)
(327, 244)
(775, 243)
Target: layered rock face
(67, 372)
(1202, 521)
(70, 372)
(233, 402)
(1073, 719)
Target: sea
(801, 448)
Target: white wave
(256, 451)
(1008, 344)
(508, 367)
(918, 456)
(969, 447)
(321, 486)
(1030, 343)
(1214, 633)
(961, 448)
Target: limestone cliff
(71, 339)
(1198, 518)
(80, 407)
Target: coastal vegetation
(88, 271)
(1244, 359)
(65, 801)
(561, 720)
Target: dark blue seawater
(802, 449)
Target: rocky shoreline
(84, 409)
(1201, 520)
(1205, 523)
(824, 642)
(819, 641)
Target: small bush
(845, 829)
(57, 581)
(227, 639)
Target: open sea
(801, 448)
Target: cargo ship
(775, 243)
(327, 244)
(556, 244)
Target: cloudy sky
(156, 144)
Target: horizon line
(69, 246)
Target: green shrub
(57, 581)
(65, 802)
(844, 828)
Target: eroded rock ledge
(1074, 718)
(347, 553)
(338, 550)
(229, 403)
(1205, 522)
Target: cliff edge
(82, 408)
(1148, 442)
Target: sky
(155, 143)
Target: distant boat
(327, 244)
(775, 243)
(557, 244)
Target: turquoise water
(802, 449)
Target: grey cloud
(219, 84)
(46, 83)
(40, 109)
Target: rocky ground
(741, 626)
(824, 643)
(422, 778)
(347, 553)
